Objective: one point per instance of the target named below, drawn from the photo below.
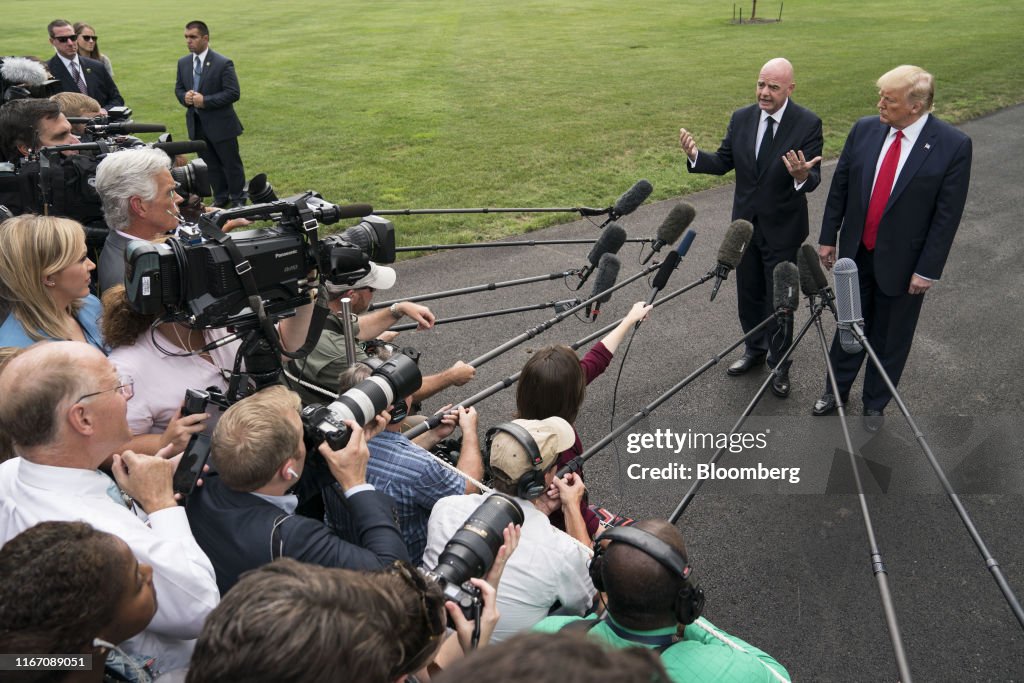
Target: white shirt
(186, 586)
(548, 566)
(69, 62)
(762, 126)
(910, 135)
(161, 380)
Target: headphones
(399, 409)
(531, 484)
(689, 601)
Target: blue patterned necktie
(197, 73)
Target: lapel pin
(927, 145)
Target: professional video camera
(210, 283)
(472, 550)
(391, 381)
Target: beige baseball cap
(379, 277)
(552, 435)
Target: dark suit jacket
(237, 532)
(769, 197)
(101, 86)
(111, 266)
(924, 209)
(220, 90)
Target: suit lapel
(873, 147)
(922, 148)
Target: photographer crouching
(244, 515)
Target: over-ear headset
(531, 483)
(689, 601)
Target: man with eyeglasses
(63, 407)
(328, 359)
(77, 73)
(207, 87)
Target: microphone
(607, 274)
(812, 278)
(129, 127)
(847, 304)
(736, 239)
(670, 264)
(610, 241)
(677, 220)
(786, 297)
(23, 71)
(182, 147)
(631, 199)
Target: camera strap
(243, 269)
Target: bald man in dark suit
(776, 166)
(894, 207)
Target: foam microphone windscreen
(21, 70)
(632, 198)
(172, 149)
(607, 274)
(786, 281)
(806, 259)
(735, 242)
(611, 240)
(677, 220)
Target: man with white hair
(63, 407)
(139, 203)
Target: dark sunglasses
(64, 39)
(92, 38)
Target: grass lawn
(449, 103)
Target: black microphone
(677, 220)
(610, 241)
(631, 199)
(607, 274)
(786, 297)
(129, 127)
(847, 304)
(811, 282)
(736, 239)
(183, 147)
(670, 264)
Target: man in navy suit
(895, 204)
(208, 87)
(80, 74)
(775, 146)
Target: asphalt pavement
(786, 564)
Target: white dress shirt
(186, 587)
(548, 566)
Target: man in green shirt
(653, 603)
(328, 359)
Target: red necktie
(880, 194)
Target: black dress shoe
(825, 405)
(745, 364)
(873, 420)
(780, 384)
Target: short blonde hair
(75, 103)
(253, 438)
(919, 84)
(32, 248)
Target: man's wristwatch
(395, 313)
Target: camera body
(394, 379)
(200, 284)
(471, 551)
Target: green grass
(455, 103)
